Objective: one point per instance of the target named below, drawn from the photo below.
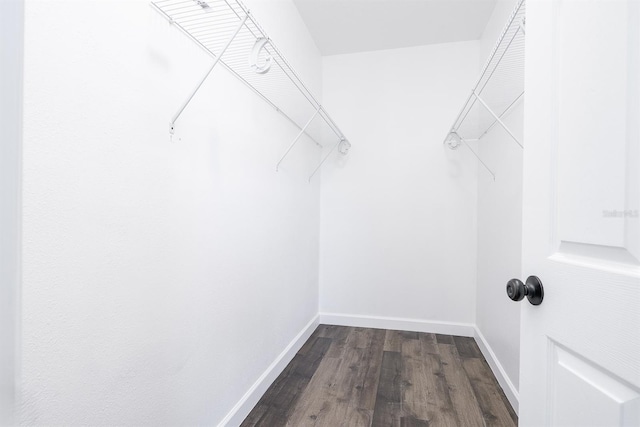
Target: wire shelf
(227, 31)
(498, 90)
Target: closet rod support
(497, 119)
(325, 158)
(193, 93)
(464, 141)
(504, 113)
(521, 26)
(295, 141)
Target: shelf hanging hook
(255, 55)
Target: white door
(580, 349)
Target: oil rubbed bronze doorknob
(532, 289)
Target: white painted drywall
(500, 223)
(11, 39)
(398, 221)
(161, 279)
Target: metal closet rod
(295, 79)
(513, 16)
(474, 92)
(480, 86)
(458, 121)
(199, 23)
(286, 69)
(498, 119)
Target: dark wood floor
(373, 377)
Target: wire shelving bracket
(500, 86)
(228, 32)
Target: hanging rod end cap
(344, 146)
(453, 140)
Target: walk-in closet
(331, 213)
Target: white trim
(399, 324)
(501, 375)
(240, 411)
(11, 122)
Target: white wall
(398, 221)
(11, 39)
(500, 225)
(160, 278)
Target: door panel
(597, 397)
(580, 349)
(596, 75)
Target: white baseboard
(240, 411)
(501, 375)
(399, 324)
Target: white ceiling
(348, 26)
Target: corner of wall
(496, 346)
(239, 412)
(508, 387)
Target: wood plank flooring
(356, 377)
